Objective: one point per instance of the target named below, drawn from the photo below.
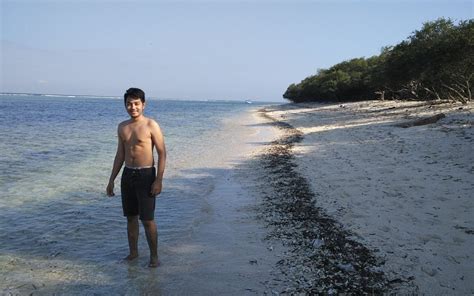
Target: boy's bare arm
(158, 141)
(118, 162)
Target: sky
(196, 49)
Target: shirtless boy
(141, 183)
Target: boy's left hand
(156, 188)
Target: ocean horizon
(120, 97)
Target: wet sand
(226, 252)
(398, 198)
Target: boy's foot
(130, 257)
(154, 262)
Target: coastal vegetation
(435, 62)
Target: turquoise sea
(59, 232)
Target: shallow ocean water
(59, 232)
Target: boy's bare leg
(132, 231)
(152, 239)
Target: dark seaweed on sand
(323, 259)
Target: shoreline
(225, 252)
(218, 249)
(382, 199)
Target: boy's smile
(134, 107)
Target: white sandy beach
(405, 193)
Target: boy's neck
(137, 119)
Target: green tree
(435, 62)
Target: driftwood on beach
(422, 121)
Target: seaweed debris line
(322, 258)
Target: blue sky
(196, 49)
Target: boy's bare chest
(136, 135)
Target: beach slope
(390, 180)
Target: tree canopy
(435, 62)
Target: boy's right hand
(110, 189)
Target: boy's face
(134, 107)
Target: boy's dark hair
(134, 93)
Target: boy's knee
(148, 223)
(131, 219)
